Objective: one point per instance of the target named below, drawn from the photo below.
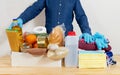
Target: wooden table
(7, 69)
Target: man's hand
(18, 22)
(101, 44)
(87, 37)
(101, 41)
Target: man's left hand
(87, 37)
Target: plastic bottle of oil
(17, 28)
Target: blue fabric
(109, 54)
(58, 12)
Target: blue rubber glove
(18, 22)
(101, 44)
(87, 37)
(100, 40)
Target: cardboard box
(92, 59)
(26, 59)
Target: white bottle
(71, 42)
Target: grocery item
(56, 36)
(39, 30)
(35, 45)
(24, 47)
(31, 38)
(15, 37)
(42, 40)
(57, 54)
(52, 47)
(14, 42)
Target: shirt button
(58, 22)
(60, 4)
(59, 13)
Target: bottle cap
(15, 22)
(71, 33)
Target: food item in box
(15, 38)
(19, 30)
(37, 51)
(42, 40)
(56, 36)
(28, 48)
(57, 54)
(31, 38)
(25, 46)
(35, 45)
(39, 30)
(52, 47)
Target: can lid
(71, 33)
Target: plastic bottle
(71, 42)
(19, 30)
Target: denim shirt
(58, 12)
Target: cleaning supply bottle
(71, 42)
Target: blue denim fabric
(58, 12)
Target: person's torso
(58, 12)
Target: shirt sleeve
(32, 11)
(81, 18)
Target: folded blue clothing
(109, 54)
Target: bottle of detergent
(71, 42)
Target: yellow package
(15, 39)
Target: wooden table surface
(7, 69)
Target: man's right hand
(18, 22)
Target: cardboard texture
(25, 59)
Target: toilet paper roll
(39, 29)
